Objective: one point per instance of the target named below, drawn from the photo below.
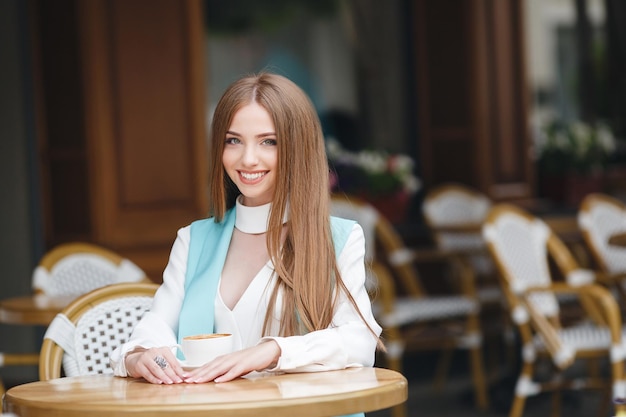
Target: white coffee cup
(202, 348)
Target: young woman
(270, 265)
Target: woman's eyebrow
(260, 135)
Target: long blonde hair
(305, 263)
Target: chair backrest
(454, 213)
(73, 269)
(81, 337)
(455, 205)
(522, 246)
(382, 241)
(599, 217)
(518, 243)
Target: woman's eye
(270, 142)
(232, 141)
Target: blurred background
(105, 105)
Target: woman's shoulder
(197, 225)
(201, 222)
(344, 225)
(344, 230)
(209, 222)
(336, 221)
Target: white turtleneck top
(346, 343)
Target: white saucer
(187, 367)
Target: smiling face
(250, 156)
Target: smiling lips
(251, 176)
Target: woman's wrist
(274, 352)
(136, 351)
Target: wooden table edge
(378, 398)
(11, 312)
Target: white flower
(411, 184)
(575, 146)
(377, 164)
(605, 137)
(333, 148)
(371, 161)
(402, 163)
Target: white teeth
(252, 176)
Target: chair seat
(582, 337)
(409, 309)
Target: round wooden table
(36, 309)
(317, 394)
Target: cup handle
(180, 355)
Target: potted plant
(384, 179)
(572, 158)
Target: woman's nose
(250, 156)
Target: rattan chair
(455, 213)
(523, 246)
(413, 319)
(76, 268)
(81, 337)
(601, 216)
(73, 269)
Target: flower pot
(393, 206)
(570, 189)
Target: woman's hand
(228, 367)
(141, 363)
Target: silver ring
(160, 360)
